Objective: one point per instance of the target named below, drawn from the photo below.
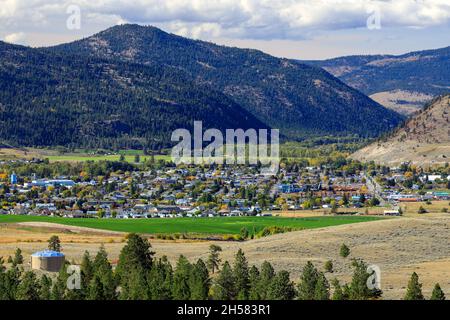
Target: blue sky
(300, 29)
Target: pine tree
(102, 269)
(266, 276)
(338, 293)
(95, 289)
(437, 294)
(60, 286)
(160, 280)
(199, 281)
(241, 275)
(45, 288)
(54, 244)
(134, 257)
(414, 290)
(322, 289)
(328, 266)
(87, 271)
(224, 287)
(28, 289)
(11, 281)
(344, 251)
(137, 288)
(254, 279)
(306, 288)
(18, 258)
(281, 287)
(358, 286)
(181, 279)
(213, 258)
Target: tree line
(140, 276)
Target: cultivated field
(79, 156)
(200, 226)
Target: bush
(328, 266)
(422, 210)
(344, 252)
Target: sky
(297, 29)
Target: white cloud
(16, 38)
(245, 19)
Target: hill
(403, 83)
(285, 94)
(49, 99)
(423, 140)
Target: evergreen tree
(254, 279)
(160, 280)
(46, 287)
(266, 276)
(181, 280)
(414, 290)
(54, 244)
(28, 289)
(10, 283)
(199, 281)
(135, 257)
(60, 286)
(344, 251)
(241, 275)
(87, 271)
(95, 289)
(322, 289)
(137, 288)
(18, 258)
(358, 286)
(281, 287)
(213, 258)
(224, 287)
(328, 266)
(102, 269)
(437, 294)
(306, 288)
(338, 293)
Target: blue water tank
(47, 253)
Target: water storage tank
(47, 260)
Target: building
(47, 260)
(13, 178)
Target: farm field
(202, 226)
(77, 156)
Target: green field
(204, 226)
(81, 158)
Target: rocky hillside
(424, 139)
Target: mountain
(285, 94)
(51, 99)
(131, 86)
(403, 83)
(423, 139)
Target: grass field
(77, 156)
(205, 226)
(81, 158)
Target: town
(159, 189)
